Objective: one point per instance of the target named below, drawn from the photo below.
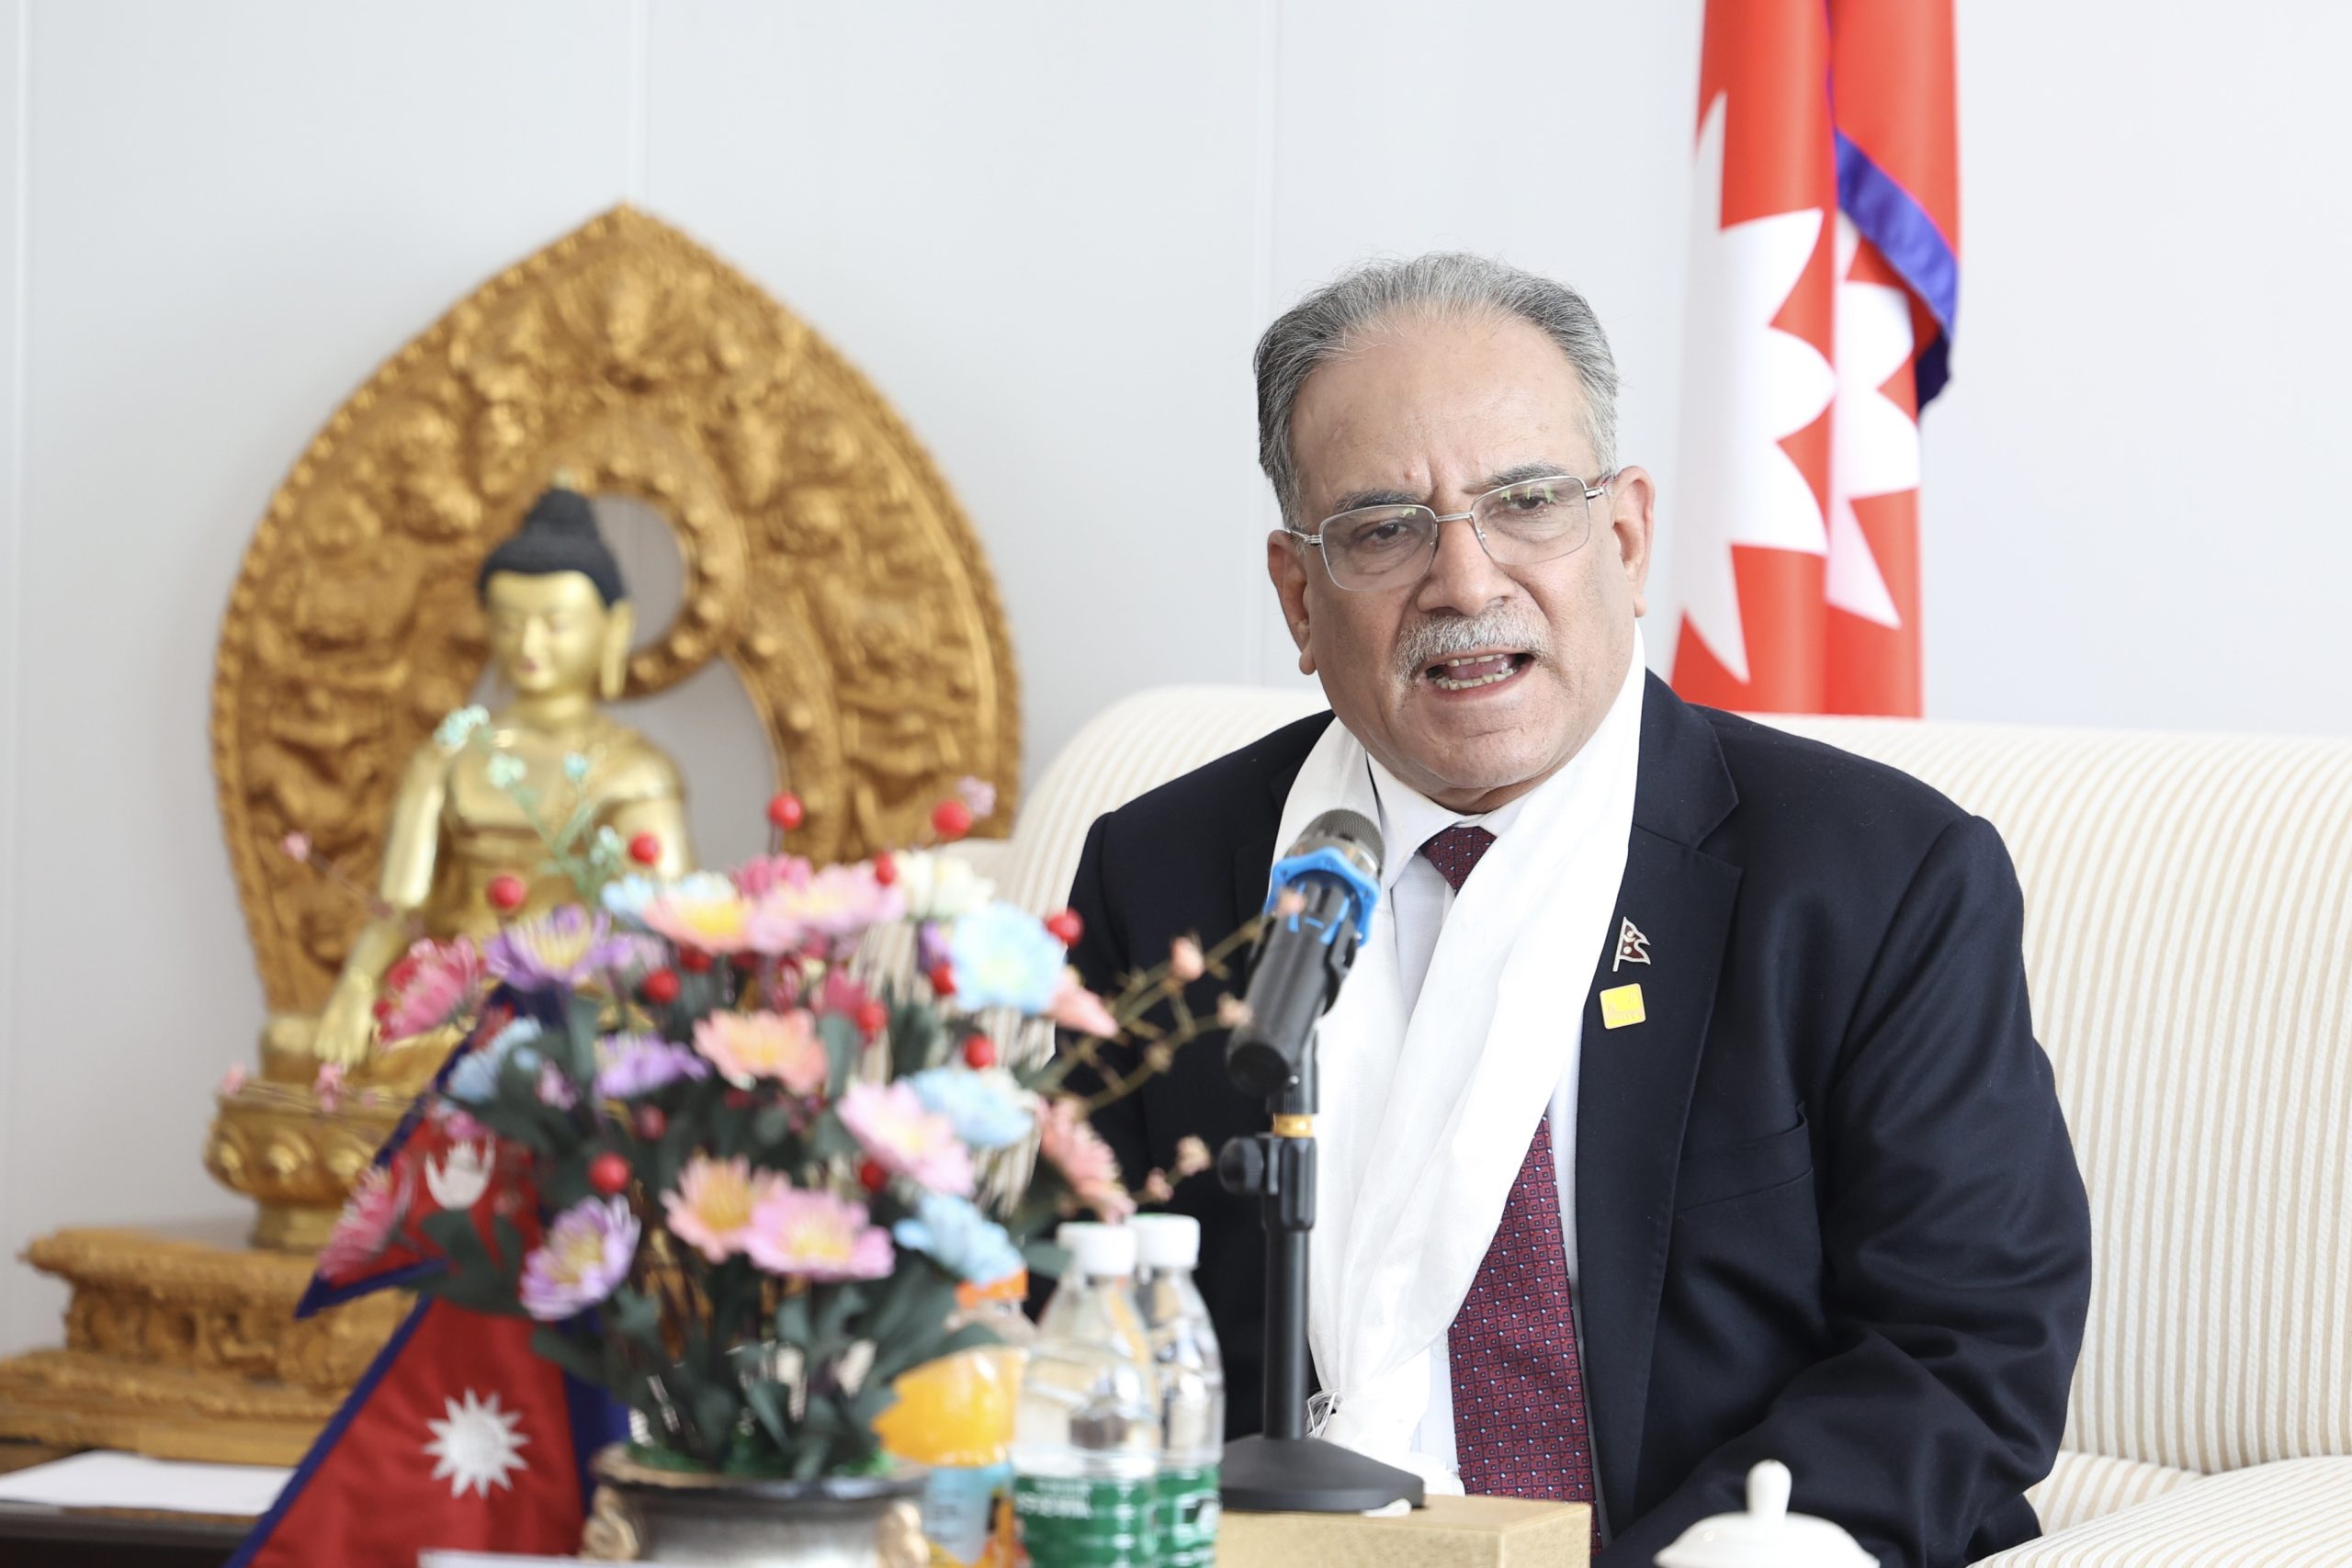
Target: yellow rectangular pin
(1622, 1005)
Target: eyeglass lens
(1520, 525)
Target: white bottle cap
(1103, 1251)
(1167, 1241)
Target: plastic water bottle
(1086, 1439)
(1192, 1387)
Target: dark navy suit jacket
(1826, 1207)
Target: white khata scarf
(1425, 1120)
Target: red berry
(1066, 927)
(979, 1051)
(645, 849)
(660, 988)
(694, 960)
(872, 1177)
(506, 892)
(942, 979)
(950, 818)
(886, 869)
(873, 1018)
(739, 1099)
(652, 1123)
(786, 811)
(608, 1173)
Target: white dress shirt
(1418, 896)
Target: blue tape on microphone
(1332, 861)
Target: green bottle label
(1068, 1522)
(1189, 1510)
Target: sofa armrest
(2296, 1513)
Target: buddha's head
(560, 617)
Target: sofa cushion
(2294, 1513)
(2084, 1486)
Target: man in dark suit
(1809, 1194)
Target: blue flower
(625, 898)
(1004, 957)
(474, 1080)
(460, 728)
(960, 1239)
(504, 770)
(987, 1109)
(575, 767)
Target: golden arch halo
(825, 561)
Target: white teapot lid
(1767, 1536)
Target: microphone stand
(1283, 1470)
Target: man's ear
(620, 629)
(1631, 519)
(1288, 566)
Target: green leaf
(843, 1044)
(767, 1406)
(793, 1324)
(577, 1354)
(915, 1035)
(635, 1314)
(914, 1350)
(1046, 1260)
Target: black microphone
(1318, 906)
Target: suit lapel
(1636, 1082)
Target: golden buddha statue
(330, 1091)
(559, 630)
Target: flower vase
(645, 1515)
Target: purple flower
(588, 1251)
(560, 951)
(631, 1064)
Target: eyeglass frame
(1592, 492)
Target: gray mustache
(1431, 642)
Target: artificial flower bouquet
(737, 1177)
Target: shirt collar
(1409, 819)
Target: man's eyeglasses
(1520, 525)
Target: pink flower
(702, 911)
(837, 904)
(890, 1124)
(817, 1236)
(977, 794)
(1079, 1011)
(1232, 1013)
(430, 986)
(711, 1210)
(374, 1211)
(841, 995)
(233, 1080)
(762, 875)
(1084, 1160)
(327, 1087)
(747, 1046)
(555, 1089)
(1192, 1157)
(1185, 960)
(297, 847)
(588, 1251)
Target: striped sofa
(2188, 941)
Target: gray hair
(1338, 316)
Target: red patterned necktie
(1518, 1424)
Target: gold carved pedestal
(826, 565)
(184, 1346)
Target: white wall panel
(1031, 225)
(236, 212)
(2135, 512)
